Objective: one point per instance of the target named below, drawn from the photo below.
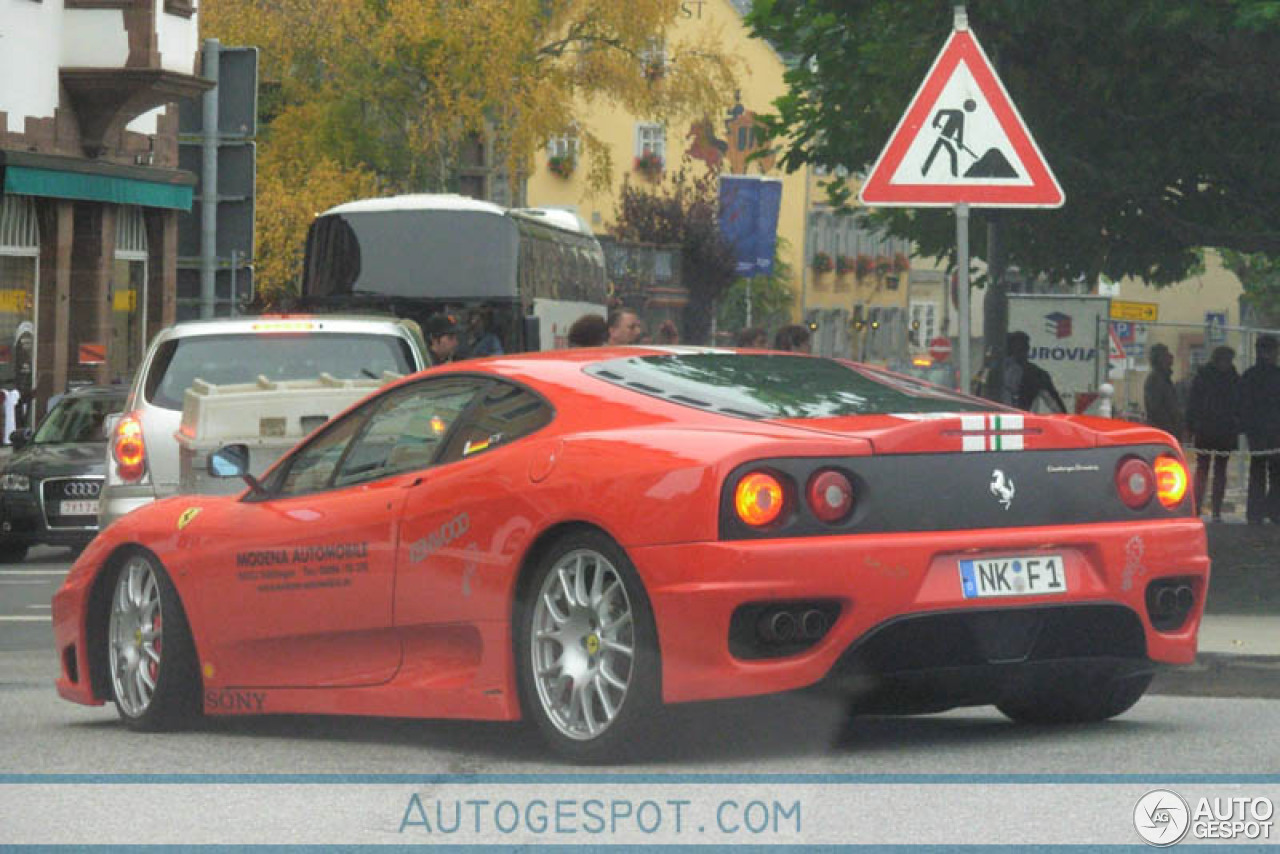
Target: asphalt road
(25, 591)
(358, 775)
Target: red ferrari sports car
(580, 537)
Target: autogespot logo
(1161, 817)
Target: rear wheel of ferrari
(1081, 695)
(587, 650)
(150, 654)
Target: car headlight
(14, 482)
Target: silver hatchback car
(143, 455)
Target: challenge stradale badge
(187, 515)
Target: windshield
(769, 387)
(227, 359)
(78, 419)
(412, 253)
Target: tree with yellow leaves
(368, 96)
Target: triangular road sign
(961, 142)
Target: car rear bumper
(868, 582)
(118, 501)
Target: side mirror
(233, 461)
(229, 461)
(19, 438)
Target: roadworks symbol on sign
(961, 142)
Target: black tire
(1083, 694)
(627, 733)
(12, 552)
(174, 701)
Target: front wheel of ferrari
(587, 651)
(1082, 694)
(150, 653)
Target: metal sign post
(962, 296)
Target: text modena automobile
(580, 537)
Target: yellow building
(826, 299)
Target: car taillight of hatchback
(128, 449)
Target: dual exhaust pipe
(1172, 601)
(786, 626)
(1169, 601)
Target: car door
(313, 560)
(468, 521)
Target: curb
(1216, 674)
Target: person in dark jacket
(1215, 428)
(1159, 394)
(1024, 380)
(1260, 422)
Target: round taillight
(1171, 480)
(1136, 482)
(129, 448)
(758, 499)
(830, 495)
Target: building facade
(645, 151)
(90, 188)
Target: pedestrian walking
(1159, 394)
(1260, 422)
(1024, 380)
(1212, 417)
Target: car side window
(406, 430)
(504, 413)
(311, 468)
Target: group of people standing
(1221, 405)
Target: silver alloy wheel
(583, 644)
(134, 636)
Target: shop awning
(95, 181)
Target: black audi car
(49, 486)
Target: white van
(142, 454)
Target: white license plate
(79, 508)
(1019, 575)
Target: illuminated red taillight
(830, 495)
(759, 499)
(1136, 482)
(1171, 480)
(129, 449)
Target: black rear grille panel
(953, 492)
(980, 638)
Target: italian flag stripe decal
(991, 433)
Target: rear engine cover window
(227, 359)
(769, 386)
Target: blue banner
(749, 208)
(767, 224)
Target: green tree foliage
(684, 210)
(1159, 118)
(393, 93)
(1260, 275)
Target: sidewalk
(1239, 654)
